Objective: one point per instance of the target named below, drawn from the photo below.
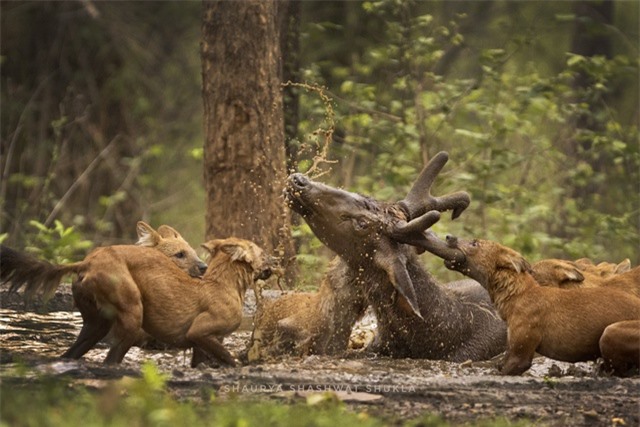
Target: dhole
(568, 274)
(22, 269)
(563, 324)
(136, 289)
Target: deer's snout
(298, 180)
(452, 241)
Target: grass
(146, 401)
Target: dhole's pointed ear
(147, 236)
(210, 246)
(511, 260)
(623, 267)
(571, 275)
(236, 250)
(168, 232)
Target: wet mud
(550, 393)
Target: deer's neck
(445, 319)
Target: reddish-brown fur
(620, 346)
(563, 324)
(139, 289)
(581, 273)
(564, 274)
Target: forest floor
(550, 393)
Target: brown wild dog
(139, 289)
(306, 323)
(604, 269)
(21, 269)
(562, 273)
(567, 274)
(620, 347)
(563, 324)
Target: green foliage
(548, 152)
(58, 244)
(147, 401)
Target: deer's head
(368, 233)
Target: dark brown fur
(416, 316)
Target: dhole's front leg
(520, 351)
(204, 333)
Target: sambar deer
(139, 289)
(563, 324)
(416, 316)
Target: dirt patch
(551, 393)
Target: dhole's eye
(180, 255)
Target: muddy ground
(551, 393)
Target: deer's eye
(180, 255)
(475, 243)
(361, 223)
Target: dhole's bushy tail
(36, 276)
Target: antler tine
(413, 232)
(414, 203)
(419, 200)
(457, 202)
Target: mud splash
(550, 393)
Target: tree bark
(244, 150)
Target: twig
(94, 163)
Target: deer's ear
(396, 269)
(147, 236)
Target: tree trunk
(244, 150)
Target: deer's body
(416, 316)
